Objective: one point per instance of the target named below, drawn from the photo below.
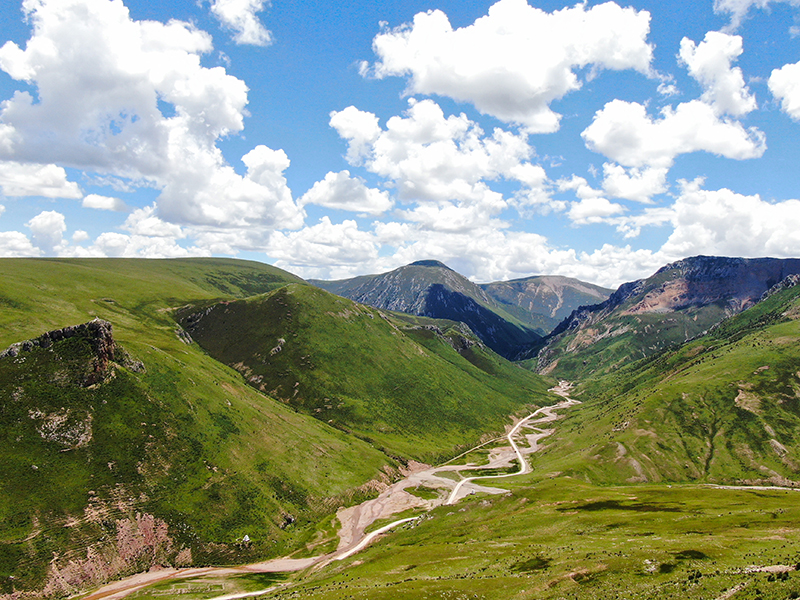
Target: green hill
(172, 462)
(722, 408)
(415, 389)
(158, 454)
(680, 302)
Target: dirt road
(356, 519)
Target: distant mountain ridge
(508, 316)
(677, 303)
(544, 300)
(430, 288)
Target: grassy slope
(400, 386)
(224, 460)
(707, 411)
(564, 539)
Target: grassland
(183, 459)
(414, 391)
(565, 539)
(722, 408)
(184, 442)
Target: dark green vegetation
(544, 301)
(564, 539)
(678, 303)
(431, 289)
(413, 388)
(722, 408)
(175, 460)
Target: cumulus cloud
(750, 227)
(593, 210)
(79, 236)
(343, 192)
(104, 203)
(638, 184)
(47, 231)
(441, 161)
(144, 222)
(784, 83)
(100, 78)
(319, 249)
(738, 9)
(240, 16)
(50, 181)
(625, 133)
(15, 244)
(516, 60)
(121, 245)
(709, 62)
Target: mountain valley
(184, 414)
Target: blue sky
(597, 140)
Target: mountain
(676, 478)
(125, 445)
(122, 447)
(722, 408)
(544, 301)
(678, 303)
(431, 289)
(413, 389)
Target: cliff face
(97, 333)
(678, 302)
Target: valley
(207, 428)
(357, 520)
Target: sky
(598, 140)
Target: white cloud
(114, 244)
(593, 210)
(343, 192)
(321, 248)
(722, 222)
(518, 59)
(625, 133)
(784, 83)
(738, 9)
(359, 128)
(104, 203)
(97, 108)
(240, 15)
(79, 236)
(2, 209)
(580, 186)
(638, 184)
(433, 158)
(47, 230)
(709, 62)
(50, 181)
(144, 222)
(14, 244)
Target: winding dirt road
(356, 519)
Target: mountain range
(198, 412)
(509, 317)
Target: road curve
(524, 467)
